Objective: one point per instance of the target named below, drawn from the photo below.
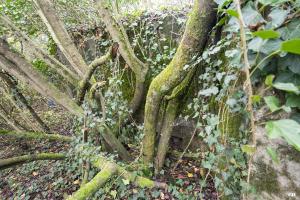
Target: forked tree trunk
(199, 25)
(119, 35)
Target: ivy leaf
(273, 154)
(256, 98)
(285, 128)
(269, 80)
(278, 16)
(291, 46)
(289, 87)
(251, 16)
(232, 13)
(248, 149)
(293, 101)
(125, 181)
(266, 34)
(272, 102)
(113, 193)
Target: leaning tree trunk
(60, 35)
(16, 65)
(16, 92)
(199, 25)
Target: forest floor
(56, 179)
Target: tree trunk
(60, 35)
(16, 65)
(199, 25)
(119, 35)
(15, 92)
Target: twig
(247, 84)
(186, 148)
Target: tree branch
(6, 163)
(34, 135)
(119, 35)
(52, 62)
(84, 84)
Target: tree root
(6, 163)
(35, 136)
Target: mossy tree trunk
(27, 135)
(5, 163)
(199, 25)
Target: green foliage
(272, 102)
(287, 129)
(267, 34)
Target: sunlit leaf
(269, 80)
(248, 149)
(289, 87)
(266, 34)
(232, 13)
(291, 46)
(287, 129)
(272, 102)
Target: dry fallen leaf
(35, 173)
(76, 182)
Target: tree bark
(27, 135)
(52, 62)
(14, 64)
(16, 92)
(60, 35)
(90, 188)
(200, 23)
(6, 163)
(166, 130)
(139, 181)
(119, 35)
(10, 122)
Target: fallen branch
(35, 135)
(5, 163)
(139, 181)
(91, 187)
